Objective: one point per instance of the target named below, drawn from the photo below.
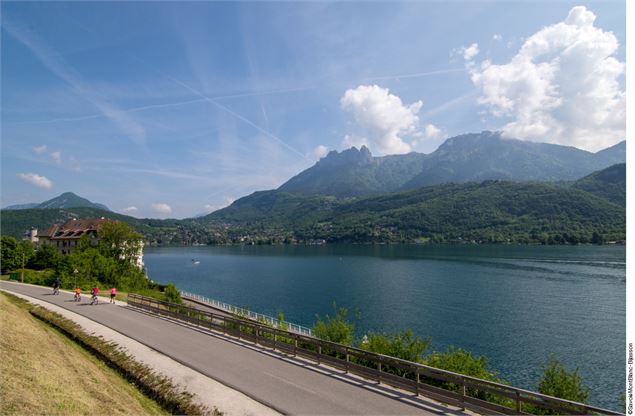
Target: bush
(558, 382)
(463, 362)
(336, 328)
(402, 345)
(172, 294)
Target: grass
(164, 393)
(43, 372)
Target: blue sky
(166, 109)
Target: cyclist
(113, 293)
(78, 294)
(95, 292)
(56, 286)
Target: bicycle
(78, 297)
(94, 300)
(56, 290)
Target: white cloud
(432, 132)
(39, 149)
(381, 118)
(228, 200)
(162, 208)
(470, 52)
(497, 37)
(37, 180)
(130, 209)
(320, 151)
(56, 156)
(562, 86)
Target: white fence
(298, 329)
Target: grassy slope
(35, 361)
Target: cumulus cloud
(497, 37)
(56, 157)
(562, 86)
(320, 151)
(130, 209)
(381, 118)
(470, 52)
(162, 208)
(39, 149)
(37, 180)
(432, 132)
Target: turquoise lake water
(515, 305)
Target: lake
(515, 305)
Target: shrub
(335, 328)
(172, 294)
(558, 382)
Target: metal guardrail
(476, 394)
(291, 327)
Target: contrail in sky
(415, 75)
(222, 107)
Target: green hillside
(609, 183)
(491, 211)
(590, 209)
(16, 222)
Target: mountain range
(65, 200)
(475, 187)
(467, 158)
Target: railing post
(295, 346)
(379, 376)
(462, 393)
(518, 405)
(319, 353)
(347, 360)
(418, 379)
(256, 333)
(274, 340)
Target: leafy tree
(12, 252)
(402, 345)
(46, 257)
(172, 294)
(335, 328)
(558, 382)
(118, 240)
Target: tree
(12, 252)
(118, 240)
(336, 328)
(46, 257)
(558, 382)
(597, 238)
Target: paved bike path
(286, 385)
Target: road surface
(287, 385)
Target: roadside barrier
(266, 319)
(481, 396)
